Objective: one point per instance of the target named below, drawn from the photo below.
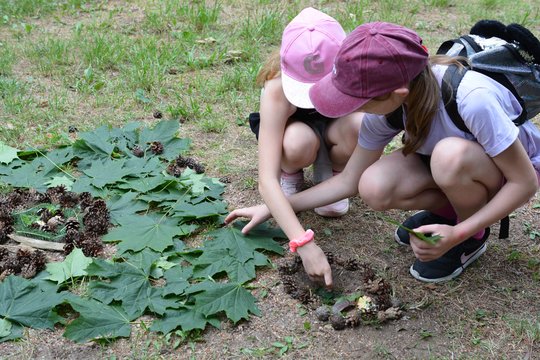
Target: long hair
(423, 103)
(270, 69)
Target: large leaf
(129, 282)
(177, 280)
(233, 299)
(186, 318)
(98, 140)
(29, 175)
(164, 131)
(7, 153)
(28, 304)
(107, 172)
(201, 210)
(153, 231)
(74, 265)
(96, 320)
(124, 206)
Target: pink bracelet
(301, 241)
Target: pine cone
(337, 321)
(72, 223)
(354, 320)
(156, 147)
(69, 199)
(90, 244)
(137, 151)
(55, 193)
(352, 265)
(85, 200)
(28, 271)
(190, 163)
(174, 170)
(96, 219)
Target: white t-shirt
(487, 108)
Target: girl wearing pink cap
(463, 181)
(292, 135)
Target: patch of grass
(527, 330)
(51, 56)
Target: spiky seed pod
(157, 114)
(90, 244)
(289, 285)
(69, 199)
(137, 151)
(6, 224)
(12, 263)
(174, 170)
(156, 147)
(303, 295)
(92, 248)
(190, 163)
(369, 274)
(354, 319)
(289, 266)
(352, 265)
(337, 321)
(85, 200)
(97, 218)
(55, 193)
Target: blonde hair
(423, 102)
(271, 69)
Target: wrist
(308, 236)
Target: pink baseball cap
(308, 47)
(375, 59)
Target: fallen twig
(38, 244)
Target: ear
(401, 92)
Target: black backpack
(509, 55)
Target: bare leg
(342, 137)
(300, 146)
(400, 182)
(466, 174)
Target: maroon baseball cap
(374, 59)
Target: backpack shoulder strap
(451, 79)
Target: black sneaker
(451, 264)
(423, 217)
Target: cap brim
(296, 92)
(331, 102)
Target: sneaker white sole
(325, 212)
(456, 272)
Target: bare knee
(376, 194)
(449, 160)
(300, 145)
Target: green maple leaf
(7, 153)
(129, 282)
(177, 280)
(164, 131)
(233, 299)
(98, 140)
(74, 265)
(96, 321)
(14, 330)
(196, 182)
(232, 252)
(25, 302)
(201, 210)
(60, 181)
(107, 172)
(30, 175)
(124, 206)
(153, 231)
(186, 318)
(146, 184)
(144, 166)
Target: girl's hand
(316, 264)
(257, 215)
(428, 252)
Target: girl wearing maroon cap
(291, 134)
(484, 174)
